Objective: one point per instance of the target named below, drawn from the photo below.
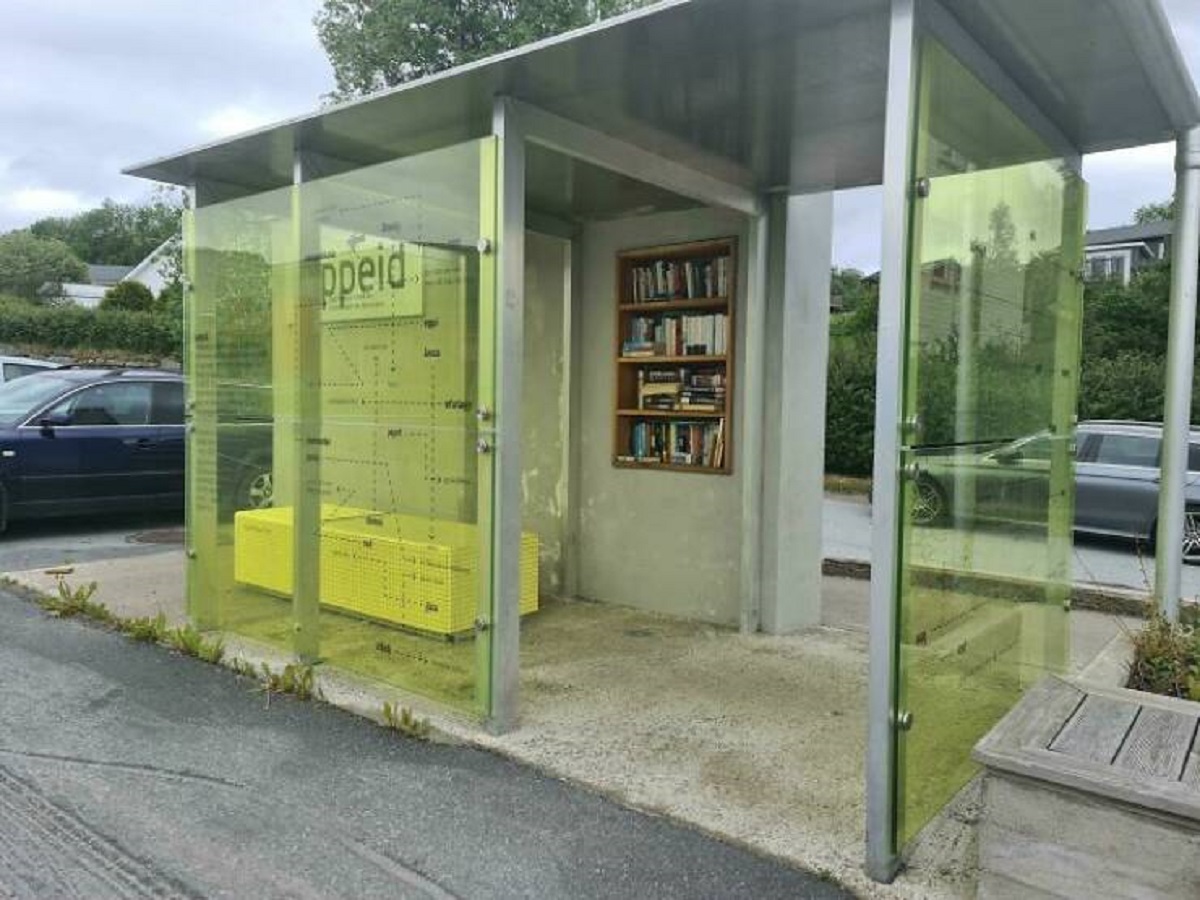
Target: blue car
(83, 441)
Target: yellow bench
(410, 571)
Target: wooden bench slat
(1097, 730)
(1157, 744)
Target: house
(151, 271)
(1116, 253)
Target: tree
(1155, 212)
(373, 44)
(131, 296)
(27, 262)
(118, 234)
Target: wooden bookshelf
(674, 357)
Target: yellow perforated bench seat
(410, 571)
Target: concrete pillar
(797, 359)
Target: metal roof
(106, 275)
(1131, 234)
(779, 94)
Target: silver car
(1116, 482)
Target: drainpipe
(1180, 362)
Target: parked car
(1116, 482)
(14, 367)
(78, 441)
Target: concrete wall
(663, 541)
(544, 400)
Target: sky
(88, 87)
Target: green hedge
(850, 408)
(69, 329)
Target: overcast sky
(90, 86)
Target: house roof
(1130, 234)
(106, 275)
(775, 94)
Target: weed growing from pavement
(71, 602)
(189, 641)
(401, 718)
(145, 630)
(297, 680)
(293, 679)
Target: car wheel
(1191, 537)
(929, 502)
(255, 490)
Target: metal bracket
(904, 720)
(484, 246)
(923, 187)
(483, 414)
(481, 625)
(482, 446)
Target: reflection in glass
(989, 401)
(335, 368)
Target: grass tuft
(401, 718)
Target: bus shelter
(555, 324)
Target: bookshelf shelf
(674, 346)
(670, 414)
(672, 305)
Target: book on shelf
(692, 279)
(676, 334)
(680, 443)
(684, 389)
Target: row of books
(676, 335)
(690, 279)
(700, 444)
(696, 390)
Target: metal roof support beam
(603, 150)
(1173, 526)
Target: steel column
(1180, 363)
(881, 857)
(509, 313)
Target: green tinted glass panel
(991, 363)
(339, 351)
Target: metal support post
(1172, 525)
(882, 860)
(306, 429)
(509, 303)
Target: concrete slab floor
(758, 739)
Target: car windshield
(21, 398)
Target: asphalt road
(847, 535)
(126, 771)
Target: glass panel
(989, 398)
(335, 375)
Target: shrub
(65, 329)
(132, 296)
(850, 408)
(1166, 660)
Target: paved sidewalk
(127, 772)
